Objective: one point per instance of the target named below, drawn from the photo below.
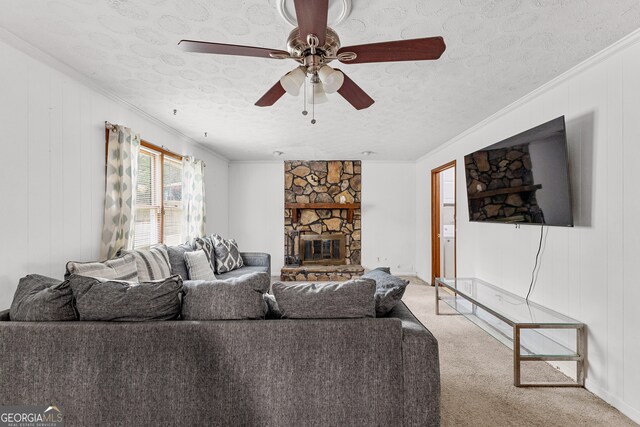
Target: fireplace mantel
(296, 207)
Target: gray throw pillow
(152, 264)
(271, 309)
(389, 289)
(121, 268)
(176, 260)
(227, 254)
(198, 265)
(100, 299)
(351, 299)
(231, 299)
(42, 299)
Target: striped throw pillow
(152, 264)
(198, 266)
(121, 268)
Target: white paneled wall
(589, 272)
(388, 216)
(256, 208)
(52, 142)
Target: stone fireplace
(322, 220)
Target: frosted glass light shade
(332, 80)
(319, 96)
(292, 81)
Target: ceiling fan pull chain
(304, 101)
(313, 104)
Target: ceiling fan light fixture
(292, 81)
(319, 95)
(332, 80)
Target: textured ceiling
(497, 51)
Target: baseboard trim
(620, 405)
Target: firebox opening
(327, 249)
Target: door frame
(435, 220)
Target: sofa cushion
(389, 289)
(353, 298)
(121, 268)
(42, 299)
(152, 264)
(176, 259)
(226, 253)
(100, 299)
(232, 299)
(198, 266)
(242, 271)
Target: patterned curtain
(119, 201)
(193, 198)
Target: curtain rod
(111, 126)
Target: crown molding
(606, 53)
(39, 55)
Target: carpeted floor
(477, 378)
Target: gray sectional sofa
(328, 372)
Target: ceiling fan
(314, 45)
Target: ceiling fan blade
(401, 50)
(312, 18)
(227, 49)
(354, 94)
(272, 95)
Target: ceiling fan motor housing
(298, 47)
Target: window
(158, 210)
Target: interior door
(443, 221)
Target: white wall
(52, 141)
(589, 272)
(388, 216)
(256, 203)
(256, 209)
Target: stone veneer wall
(323, 182)
(505, 168)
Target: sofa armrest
(257, 259)
(4, 316)
(421, 370)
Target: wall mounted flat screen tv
(523, 179)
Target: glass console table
(534, 332)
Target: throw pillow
(176, 260)
(121, 268)
(231, 299)
(152, 264)
(350, 299)
(227, 254)
(42, 299)
(198, 266)
(206, 244)
(389, 290)
(113, 300)
(271, 309)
